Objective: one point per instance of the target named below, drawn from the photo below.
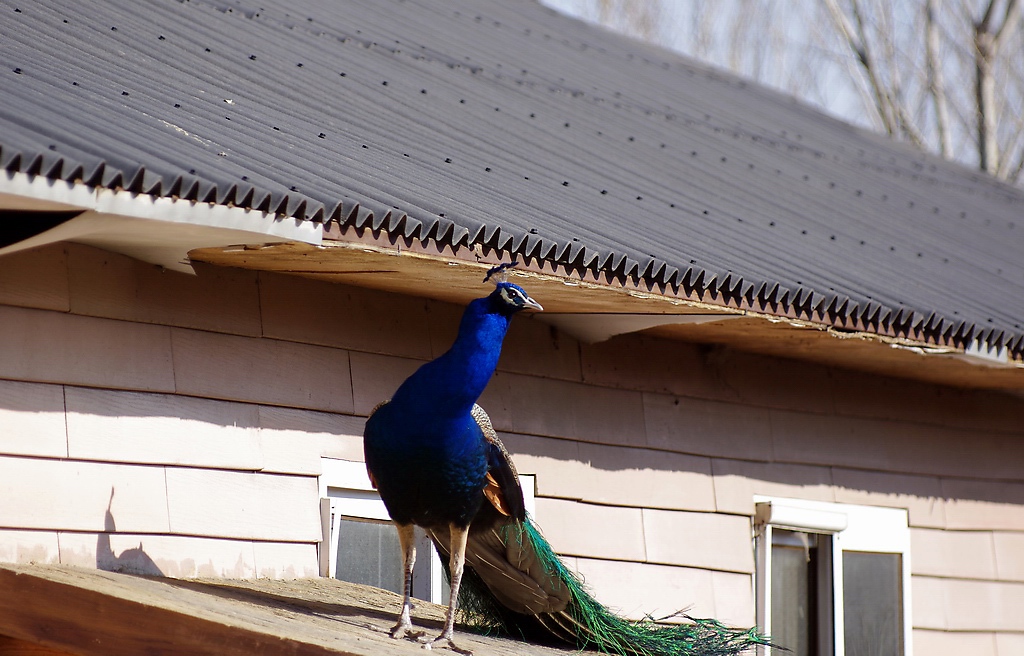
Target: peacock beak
(530, 303)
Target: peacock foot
(404, 629)
(444, 641)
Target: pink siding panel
(1009, 644)
(292, 441)
(37, 278)
(583, 529)
(647, 478)
(872, 444)
(971, 605)
(866, 395)
(737, 481)
(497, 400)
(707, 427)
(1009, 550)
(734, 599)
(641, 362)
(563, 409)
(70, 495)
(920, 495)
(42, 346)
(777, 383)
(161, 429)
(705, 540)
(533, 347)
(376, 377)
(929, 611)
(278, 560)
(225, 504)
(316, 312)
(32, 420)
(175, 556)
(261, 371)
(613, 475)
(946, 643)
(105, 284)
(954, 554)
(557, 464)
(639, 590)
(981, 505)
(18, 546)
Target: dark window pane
(873, 603)
(802, 594)
(795, 592)
(368, 552)
(791, 622)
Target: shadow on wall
(129, 561)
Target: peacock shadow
(129, 561)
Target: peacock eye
(512, 296)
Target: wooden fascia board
(102, 617)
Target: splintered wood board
(444, 277)
(90, 612)
(440, 277)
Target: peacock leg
(457, 562)
(407, 540)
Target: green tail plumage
(586, 624)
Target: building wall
(175, 423)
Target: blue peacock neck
(451, 384)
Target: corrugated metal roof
(501, 123)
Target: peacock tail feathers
(587, 624)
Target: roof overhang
(173, 233)
(158, 230)
(594, 311)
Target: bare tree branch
(936, 85)
(944, 75)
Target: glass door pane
(873, 603)
(796, 594)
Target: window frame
(849, 527)
(345, 490)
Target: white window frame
(851, 528)
(345, 490)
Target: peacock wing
(502, 488)
(506, 560)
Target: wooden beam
(88, 612)
(102, 616)
(14, 647)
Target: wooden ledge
(55, 610)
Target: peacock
(437, 463)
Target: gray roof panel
(501, 123)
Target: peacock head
(508, 298)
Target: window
(833, 579)
(360, 543)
